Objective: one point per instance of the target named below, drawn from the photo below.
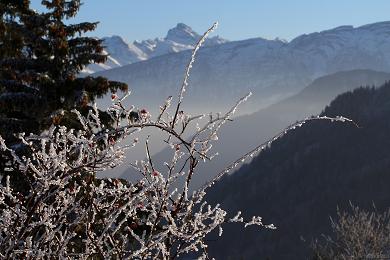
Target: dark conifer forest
(299, 182)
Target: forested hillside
(301, 180)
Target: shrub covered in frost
(68, 212)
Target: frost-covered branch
(66, 212)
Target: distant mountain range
(299, 182)
(245, 132)
(121, 53)
(271, 69)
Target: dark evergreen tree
(41, 56)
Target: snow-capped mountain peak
(121, 51)
(179, 38)
(115, 39)
(182, 34)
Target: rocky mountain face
(271, 69)
(121, 53)
(299, 182)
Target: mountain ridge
(271, 69)
(247, 131)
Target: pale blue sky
(238, 19)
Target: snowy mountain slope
(272, 69)
(121, 53)
(333, 50)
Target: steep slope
(313, 98)
(271, 69)
(246, 132)
(298, 182)
(121, 53)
